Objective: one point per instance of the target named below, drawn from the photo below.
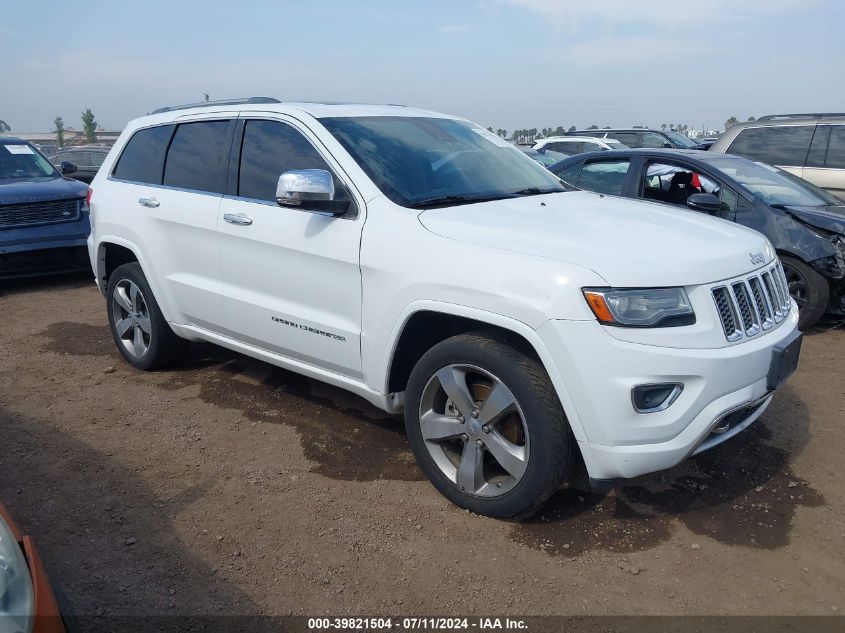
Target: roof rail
(224, 102)
(817, 115)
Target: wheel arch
(425, 324)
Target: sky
(503, 63)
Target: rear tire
(809, 289)
(137, 324)
(486, 426)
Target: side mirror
(310, 190)
(706, 202)
(67, 167)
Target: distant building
(72, 137)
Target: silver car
(811, 146)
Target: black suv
(643, 137)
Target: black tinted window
(818, 148)
(836, 147)
(605, 176)
(631, 139)
(650, 139)
(787, 145)
(270, 148)
(142, 159)
(199, 156)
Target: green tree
(663, 126)
(572, 129)
(489, 128)
(89, 126)
(4, 127)
(60, 131)
(751, 118)
(733, 120)
(593, 127)
(205, 96)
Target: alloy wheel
(474, 430)
(131, 318)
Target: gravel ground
(226, 485)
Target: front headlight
(640, 307)
(16, 596)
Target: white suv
(570, 145)
(433, 269)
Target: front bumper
(598, 372)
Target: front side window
(142, 159)
(782, 146)
(673, 184)
(605, 176)
(651, 140)
(570, 174)
(19, 160)
(198, 157)
(429, 161)
(270, 148)
(631, 139)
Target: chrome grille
(753, 304)
(12, 215)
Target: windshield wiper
(454, 199)
(536, 191)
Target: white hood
(627, 242)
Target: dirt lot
(226, 485)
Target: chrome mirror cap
(304, 185)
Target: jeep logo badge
(757, 258)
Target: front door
(291, 278)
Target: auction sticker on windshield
(19, 149)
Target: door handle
(150, 203)
(237, 218)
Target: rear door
(291, 277)
(174, 177)
(826, 161)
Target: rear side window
(566, 148)
(783, 146)
(269, 149)
(198, 158)
(142, 159)
(605, 176)
(836, 148)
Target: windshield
(19, 160)
(417, 161)
(680, 140)
(772, 185)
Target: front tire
(486, 426)
(809, 289)
(137, 324)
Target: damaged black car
(804, 223)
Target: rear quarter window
(783, 146)
(142, 160)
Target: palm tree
(4, 127)
(731, 122)
(663, 126)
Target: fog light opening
(655, 397)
